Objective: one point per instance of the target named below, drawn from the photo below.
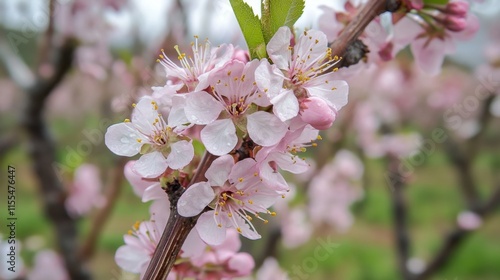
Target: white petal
(144, 114)
(269, 79)
(195, 199)
(290, 163)
(208, 229)
(334, 92)
(193, 246)
(286, 105)
(219, 137)
(121, 139)
(131, 259)
(151, 165)
(153, 192)
(265, 128)
(277, 48)
(218, 172)
(202, 108)
(181, 154)
(177, 116)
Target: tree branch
(177, 228)
(42, 152)
(397, 184)
(456, 237)
(358, 24)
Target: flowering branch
(348, 39)
(177, 228)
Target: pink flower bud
(316, 112)
(468, 220)
(454, 23)
(457, 8)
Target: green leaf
(436, 2)
(278, 13)
(250, 27)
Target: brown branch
(456, 237)
(399, 207)
(42, 152)
(46, 42)
(113, 191)
(358, 24)
(177, 228)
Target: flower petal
(202, 108)
(219, 137)
(153, 192)
(131, 259)
(195, 199)
(218, 172)
(144, 114)
(121, 139)
(334, 92)
(151, 165)
(208, 229)
(277, 48)
(265, 128)
(286, 105)
(181, 154)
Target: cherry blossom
(148, 133)
(85, 192)
(231, 110)
(233, 192)
(299, 72)
(45, 259)
(194, 70)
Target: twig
(177, 228)
(456, 237)
(113, 191)
(356, 26)
(399, 210)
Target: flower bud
(316, 112)
(457, 8)
(454, 23)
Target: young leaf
(250, 27)
(278, 13)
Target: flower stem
(177, 228)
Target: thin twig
(456, 237)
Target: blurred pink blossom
(85, 192)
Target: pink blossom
(317, 113)
(284, 156)
(231, 109)
(270, 270)
(148, 133)
(85, 192)
(147, 189)
(300, 72)
(48, 259)
(468, 220)
(194, 70)
(222, 261)
(233, 191)
(333, 192)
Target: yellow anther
(255, 174)
(250, 201)
(334, 88)
(273, 214)
(216, 213)
(319, 137)
(238, 229)
(136, 225)
(130, 232)
(133, 105)
(314, 144)
(126, 120)
(219, 225)
(266, 221)
(229, 215)
(139, 140)
(240, 179)
(249, 218)
(282, 196)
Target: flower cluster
(256, 116)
